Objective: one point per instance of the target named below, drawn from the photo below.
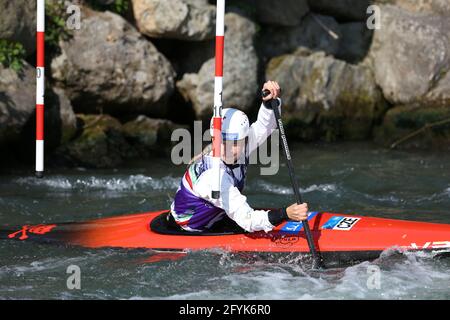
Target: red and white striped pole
(40, 38)
(218, 83)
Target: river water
(349, 178)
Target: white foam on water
(401, 276)
(128, 183)
(435, 197)
(54, 183)
(277, 189)
(388, 198)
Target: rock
(105, 143)
(281, 12)
(60, 124)
(18, 113)
(17, 101)
(101, 144)
(150, 137)
(311, 33)
(343, 10)
(108, 65)
(18, 23)
(326, 98)
(191, 58)
(240, 71)
(60, 118)
(355, 42)
(197, 53)
(406, 127)
(411, 57)
(440, 7)
(176, 19)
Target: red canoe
(339, 238)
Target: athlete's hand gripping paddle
(274, 104)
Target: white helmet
(235, 124)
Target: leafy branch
(11, 54)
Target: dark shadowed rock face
(18, 112)
(355, 42)
(17, 102)
(281, 12)
(411, 57)
(325, 97)
(60, 118)
(312, 32)
(415, 126)
(240, 71)
(176, 19)
(109, 66)
(18, 22)
(343, 10)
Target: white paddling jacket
(193, 208)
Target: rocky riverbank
(136, 70)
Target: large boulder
(343, 10)
(150, 137)
(18, 112)
(18, 23)
(240, 71)
(281, 12)
(101, 144)
(411, 57)
(60, 120)
(17, 101)
(108, 65)
(326, 98)
(440, 7)
(176, 19)
(415, 126)
(314, 32)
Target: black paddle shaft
(274, 104)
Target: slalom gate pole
(218, 86)
(40, 87)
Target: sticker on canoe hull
(23, 233)
(340, 223)
(431, 245)
(295, 227)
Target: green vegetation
(55, 24)
(118, 6)
(11, 54)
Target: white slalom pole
(40, 39)
(218, 83)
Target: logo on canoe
(284, 240)
(278, 238)
(340, 223)
(294, 227)
(38, 229)
(431, 245)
